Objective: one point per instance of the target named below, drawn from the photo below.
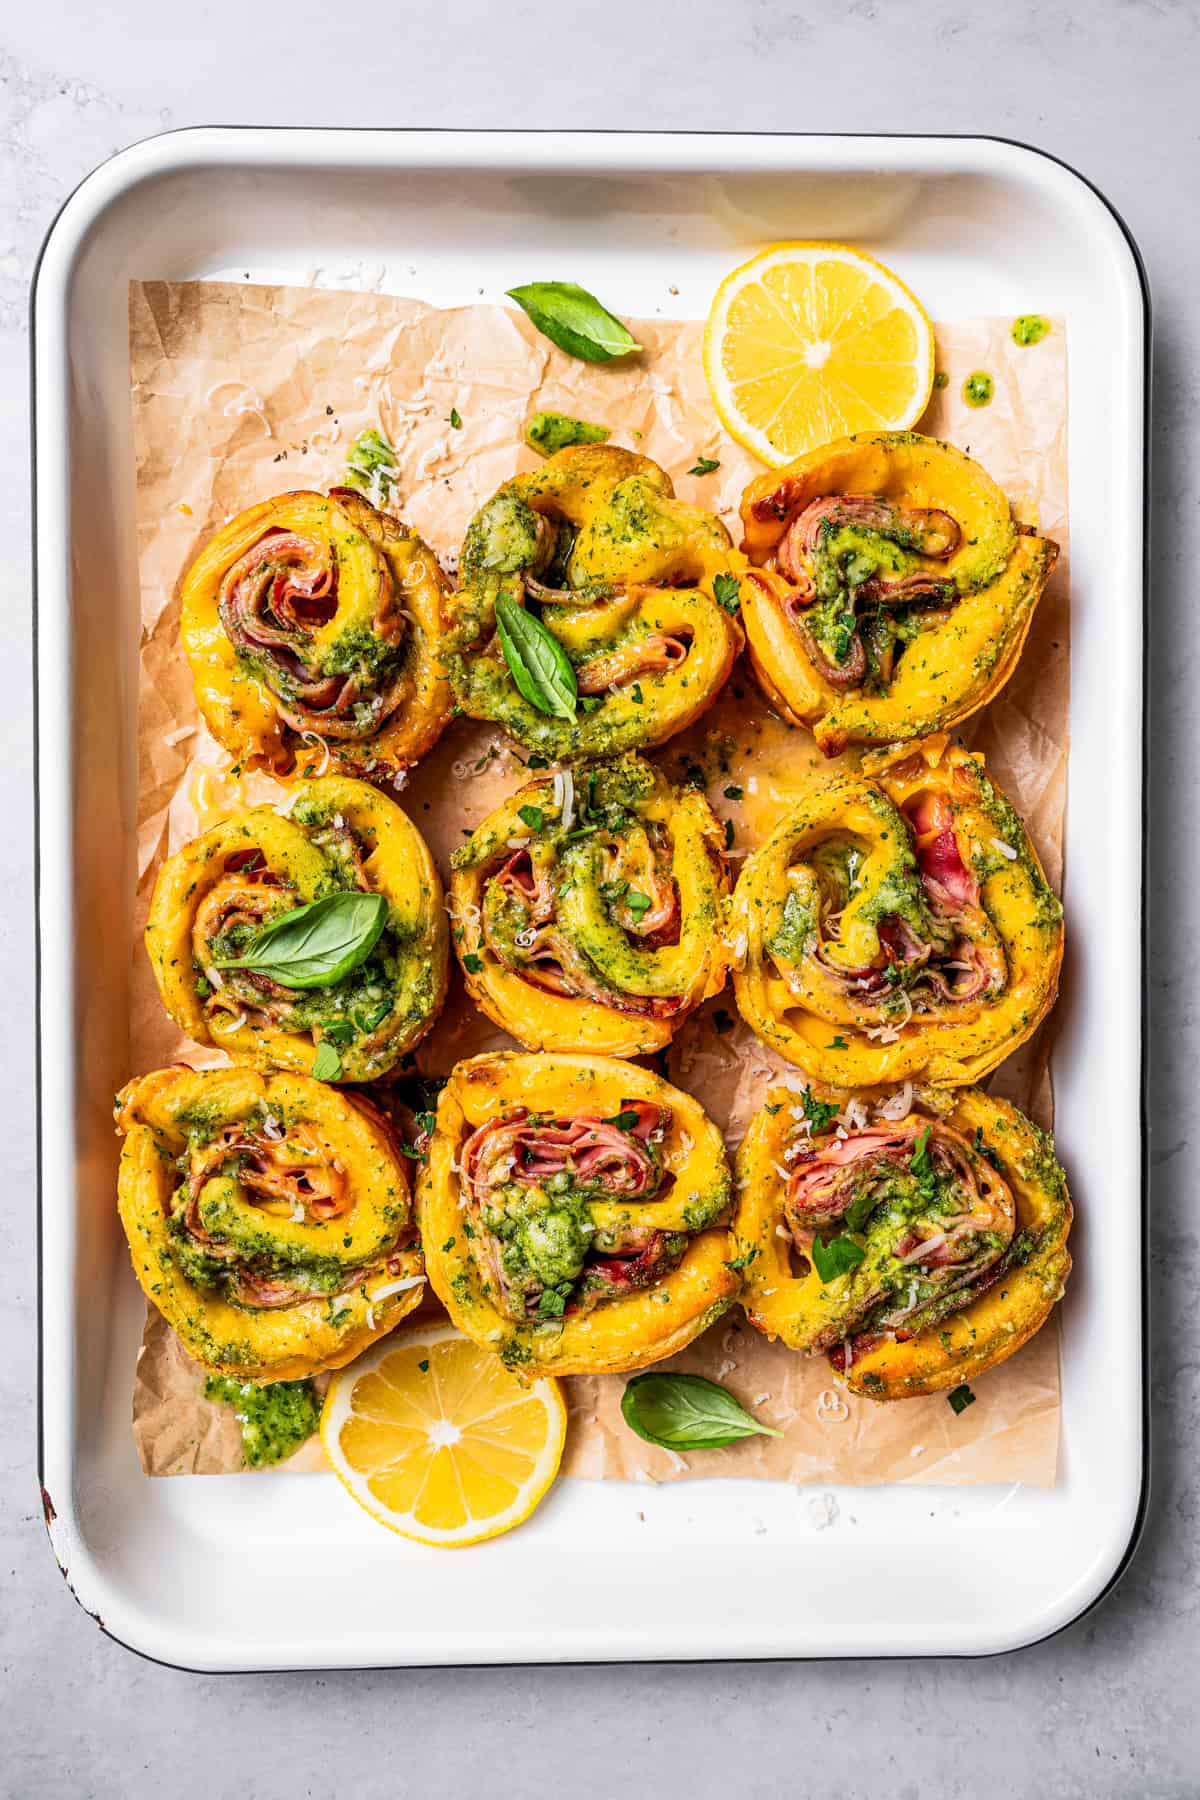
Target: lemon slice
(436, 1440)
(810, 342)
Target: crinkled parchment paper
(241, 392)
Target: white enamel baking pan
(244, 1573)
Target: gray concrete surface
(1109, 1708)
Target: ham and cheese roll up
(269, 1218)
(897, 927)
(624, 584)
(892, 592)
(312, 938)
(574, 1212)
(916, 1239)
(313, 624)
(588, 910)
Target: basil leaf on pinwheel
(317, 944)
(687, 1412)
(574, 320)
(837, 1257)
(537, 661)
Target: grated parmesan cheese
(564, 797)
(312, 740)
(397, 1287)
(897, 1105)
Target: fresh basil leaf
(704, 465)
(837, 1257)
(549, 432)
(687, 1412)
(456, 418)
(536, 660)
(638, 904)
(472, 964)
(725, 592)
(532, 816)
(960, 1398)
(624, 1120)
(574, 320)
(327, 1064)
(317, 944)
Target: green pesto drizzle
(275, 1417)
(1030, 328)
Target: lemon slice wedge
(437, 1441)
(810, 342)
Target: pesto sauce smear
(1030, 328)
(846, 557)
(978, 388)
(275, 1417)
(550, 432)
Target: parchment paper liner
(240, 392)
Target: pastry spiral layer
(313, 625)
(574, 1212)
(914, 1240)
(268, 1218)
(213, 899)
(624, 578)
(588, 910)
(897, 927)
(892, 593)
